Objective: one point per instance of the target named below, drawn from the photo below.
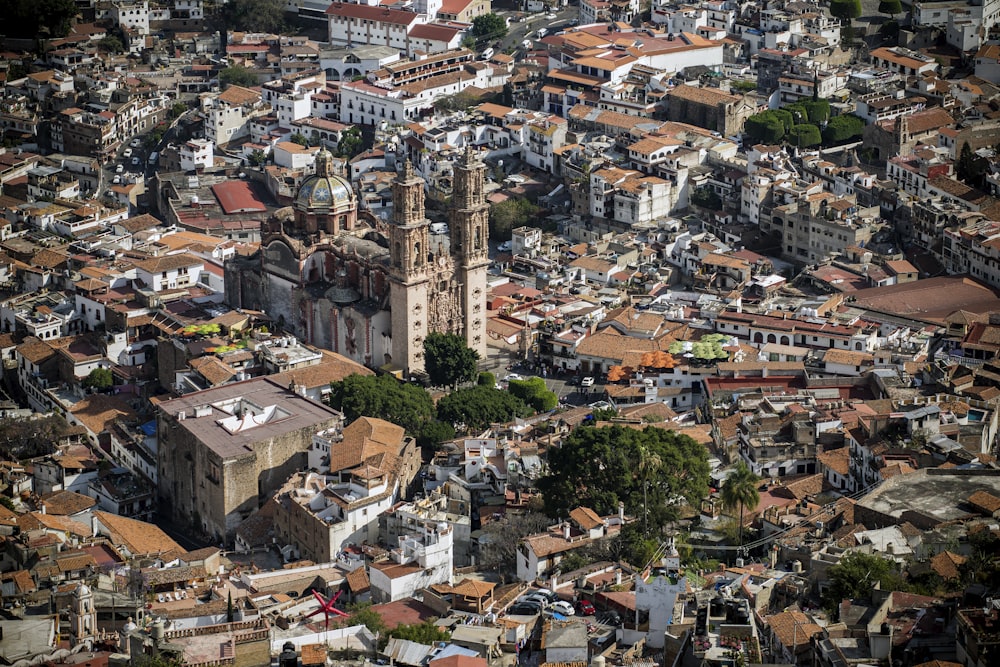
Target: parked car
(127, 152)
(524, 610)
(119, 169)
(587, 382)
(526, 44)
(135, 142)
(563, 607)
(585, 608)
(504, 247)
(439, 228)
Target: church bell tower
(409, 256)
(470, 245)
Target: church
(341, 279)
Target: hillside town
(483, 333)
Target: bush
(846, 9)
(765, 127)
(805, 135)
(818, 110)
(842, 129)
(706, 197)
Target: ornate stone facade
(369, 289)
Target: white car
(117, 179)
(127, 152)
(119, 169)
(550, 16)
(526, 44)
(562, 607)
(587, 382)
(135, 142)
(512, 376)
(159, 597)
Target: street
(520, 30)
(565, 385)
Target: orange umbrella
(646, 361)
(615, 373)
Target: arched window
(417, 257)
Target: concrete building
(710, 108)
(222, 451)
(423, 558)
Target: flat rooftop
(231, 418)
(935, 493)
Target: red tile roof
(237, 197)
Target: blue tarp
(149, 428)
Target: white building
(422, 559)
(294, 156)
(228, 114)
(131, 16)
(357, 24)
(196, 154)
(169, 272)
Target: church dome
(325, 191)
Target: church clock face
(477, 292)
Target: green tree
(448, 360)
(706, 197)
(487, 379)
(842, 128)
(351, 143)
(805, 135)
(741, 86)
(965, 161)
(890, 7)
(299, 138)
(100, 379)
(257, 158)
(426, 633)
(433, 433)
(598, 467)
(38, 18)
(385, 397)
(229, 608)
(177, 110)
(764, 127)
(799, 113)
(510, 214)
(254, 15)
(478, 407)
(847, 11)
(7, 502)
(854, 577)
(488, 27)
(363, 614)
(111, 44)
(818, 109)
(237, 75)
(534, 392)
(740, 491)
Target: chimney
(566, 530)
(621, 512)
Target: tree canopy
(351, 143)
(99, 379)
(38, 18)
(653, 470)
(855, 575)
(765, 127)
(254, 15)
(384, 397)
(510, 214)
(25, 437)
(740, 491)
(805, 135)
(448, 360)
(706, 197)
(489, 26)
(891, 7)
(846, 9)
(478, 407)
(498, 544)
(237, 75)
(534, 392)
(426, 633)
(843, 128)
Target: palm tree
(648, 461)
(740, 490)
